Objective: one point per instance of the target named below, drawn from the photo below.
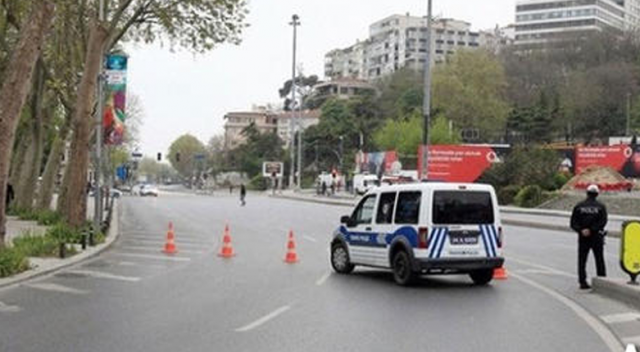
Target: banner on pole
(115, 99)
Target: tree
(470, 91)
(405, 136)
(15, 86)
(183, 154)
(304, 86)
(258, 148)
(400, 93)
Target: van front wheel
(481, 277)
(340, 259)
(402, 272)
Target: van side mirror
(347, 221)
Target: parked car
(149, 190)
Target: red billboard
(457, 163)
(615, 157)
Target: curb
(617, 289)
(541, 225)
(31, 274)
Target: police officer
(589, 219)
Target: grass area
(43, 217)
(12, 262)
(36, 246)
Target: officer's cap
(593, 189)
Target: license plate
(463, 238)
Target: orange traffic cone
(500, 273)
(291, 256)
(227, 250)
(170, 245)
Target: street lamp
(295, 22)
(427, 96)
(97, 216)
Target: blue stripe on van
(445, 235)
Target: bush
(12, 262)
(560, 179)
(48, 217)
(36, 246)
(529, 197)
(258, 183)
(63, 233)
(506, 195)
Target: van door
(360, 235)
(384, 228)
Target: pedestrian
(243, 194)
(230, 188)
(589, 219)
(324, 188)
(9, 196)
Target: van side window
(364, 212)
(385, 208)
(408, 211)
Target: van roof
(428, 186)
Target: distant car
(148, 190)
(114, 193)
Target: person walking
(243, 194)
(9, 196)
(589, 219)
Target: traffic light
(159, 156)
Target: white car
(423, 228)
(149, 190)
(364, 183)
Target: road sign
(136, 155)
(630, 249)
(271, 167)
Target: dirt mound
(606, 178)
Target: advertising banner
(618, 157)
(269, 168)
(382, 163)
(115, 99)
(457, 163)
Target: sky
(185, 93)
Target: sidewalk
(45, 266)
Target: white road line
(633, 341)
(155, 257)
(323, 279)
(264, 319)
(309, 238)
(620, 318)
(127, 263)
(4, 308)
(162, 239)
(536, 271)
(103, 275)
(542, 267)
(56, 288)
(596, 325)
(156, 249)
(161, 242)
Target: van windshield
(462, 207)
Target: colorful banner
(616, 157)
(457, 163)
(382, 163)
(115, 99)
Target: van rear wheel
(402, 272)
(481, 277)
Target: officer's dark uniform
(590, 214)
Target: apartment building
(543, 21)
(400, 41)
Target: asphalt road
(135, 298)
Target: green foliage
(405, 136)
(12, 262)
(36, 246)
(63, 233)
(258, 148)
(506, 195)
(560, 179)
(470, 91)
(48, 217)
(187, 146)
(258, 183)
(400, 93)
(529, 197)
(442, 133)
(525, 166)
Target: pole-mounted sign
(115, 110)
(630, 250)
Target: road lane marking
(155, 257)
(56, 288)
(103, 275)
(596, 325)
(264, 319)
(5, 308)
(323, 279)
(162, 239)
(311, 239)
(620, 318)
(160, 243)
(633, 341)
(542, 267)
(156, 249)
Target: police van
(423, 228)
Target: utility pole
(97, 216)
(295, 22)
(426, 109)
(628, 129)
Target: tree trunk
(33, 163)
(75, 204)
(15, 88)
(52, 168)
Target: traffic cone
(291, 256)
(227, 250)
(170, 245)
(500, 273)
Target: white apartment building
(400, 41)
(542, 21)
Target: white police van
(423, 228)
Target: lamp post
(97, 216)
(295, 22)
(426, 109)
